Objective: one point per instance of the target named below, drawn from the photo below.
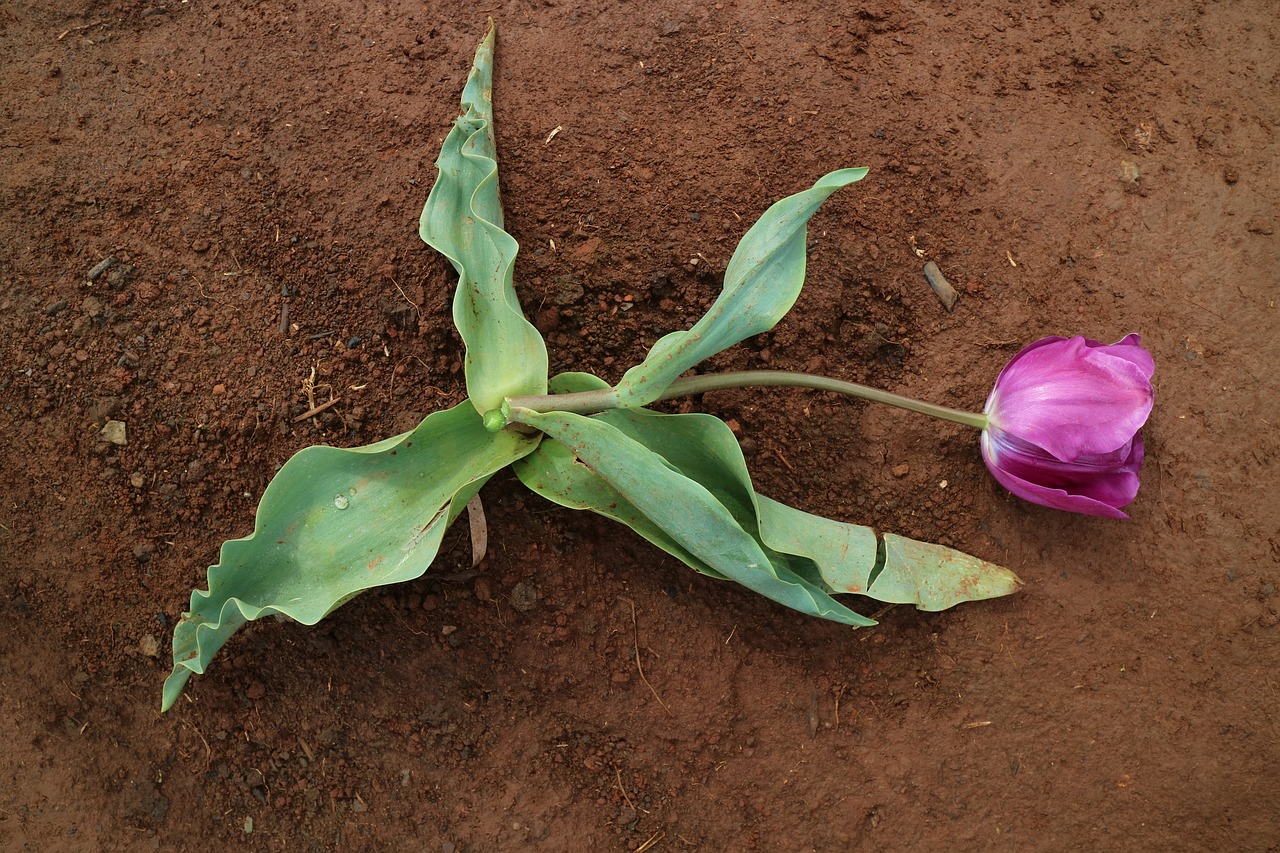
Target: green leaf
(685, 510)
(834, 556)
(904, 571)
(934, 578)
(761, 283)
(555, 473)
(462, 220)
(335, 522)
(846, 556)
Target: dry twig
(635, 631)
(623, 788)
(315, 410)
(651, 841)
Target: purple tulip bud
(1063, 421)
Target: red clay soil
(256, 173)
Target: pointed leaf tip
(761, 283)
(462, 219)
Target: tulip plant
(1059, 429)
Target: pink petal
(1094, 486)
(1073, 399)
(1055, 498)
(1130, 347)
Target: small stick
(208, 753)
(101, 267)
(479, 530)
(311, 413)
(635, 630)
(653, 839)
(77, 29)
(941, 287)
(405, 295)
(623, 788)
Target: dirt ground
(257, 173)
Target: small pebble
(524, 597)
(115, 433)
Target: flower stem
(721, 381)
(585, 402)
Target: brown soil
(1073, 169)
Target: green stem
(721, 381)
(585, 402)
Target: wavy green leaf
(688, 513)
(335, 522)
(763, 280)
(462, 220)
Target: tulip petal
(1074, 397)
(1130, 348)
(1055, 498)
(1097, 485)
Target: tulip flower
(1063, 421)
(1060, 427)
